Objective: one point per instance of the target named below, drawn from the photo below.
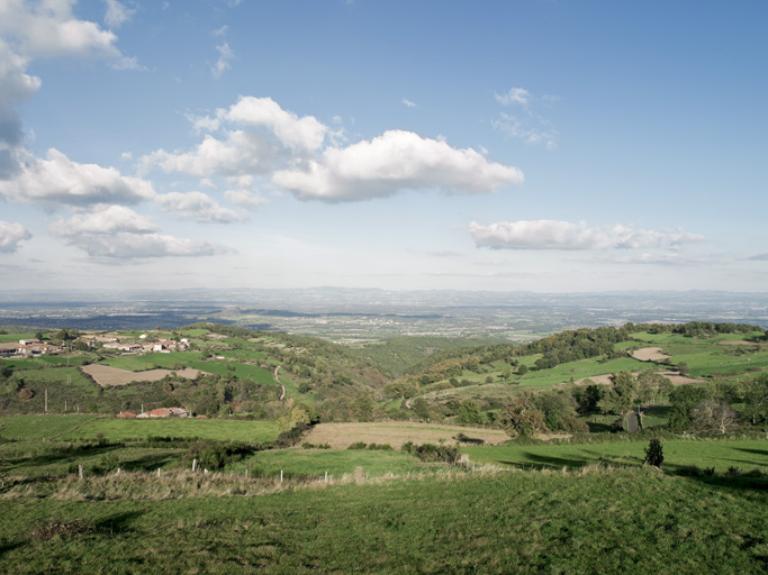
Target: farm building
(28, 348)
(164, 412)
(126, 347)
(8, 349)
(169, 345)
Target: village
(38, 346)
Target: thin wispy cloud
(522, 120)
(560, 235)
(224, 61)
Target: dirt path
(276, 375)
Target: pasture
(720, 454)
(90, 427)
(601, 521)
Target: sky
(548, 146)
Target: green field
(720, 454)
(84, 427)
(313, 463)
(709, 356)
(635, 521)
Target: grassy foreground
(718, 454)
(602, 521)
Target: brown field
(673, 376)
(107, 376)
(678, 379)
(650, 354)
(395, 433)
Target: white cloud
(264, 136)
(237, 153)
(393, 161)
(256, 136)
(245, 198)
(49, 29)
(32, 30)
(760, 258)
(117, 14)
(58, 179)
(11, 235)
(408, 103)
(300, 133)
(117, 232)
(224, 61)
(103, 219)
(517, 95)
(198, 206)
(559, 235)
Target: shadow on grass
(58, 456)
(117, 524)
(109, 526)
(763, 452)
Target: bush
(461, 438)
(293, 435)
(429, 452)
(358, 445)
(380, 446)
(215, 455)
(654, 455)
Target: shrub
(461, 438)
(654, 454)
(429, 452)
(380, 446)
(358, 445)
(215, 455)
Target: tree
(468, 412)
(654, 454)
(522, 369)
(713, 415)
(621, 396)
(421, 409)
(756, 401)
(684, 400)
(523, 417)
(559, 411)
(587, 398)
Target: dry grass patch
(107, 376)
(649, 354)
(396, 433)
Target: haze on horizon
(539, 146)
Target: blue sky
(547, 146)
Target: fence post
(80, 471)
(326, 477)
(194, 465)
(281, 476)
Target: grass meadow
(600, 521)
